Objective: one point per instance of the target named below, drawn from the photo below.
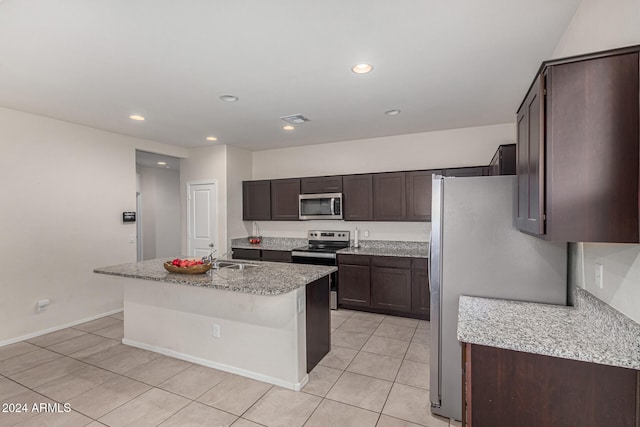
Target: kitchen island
(253, 322)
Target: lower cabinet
(354, 278)
(252, 254)
(391, 283)
(504, 388)
(381, 284)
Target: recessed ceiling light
(362, 68)
(288, 127)
(162, 163)
(212, 138)
(392, 112)
(229, 98)
(136, 117)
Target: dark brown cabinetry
(284, 199)
(318, 321)
(358, 197)
(578, 150)
(256, 200)
(503, 161)
(252, 254)
(354, 277)
(391, 283)
(504, 388)
(321, 184)
(389, 196)
(467, 171)
(420, 295)
(262, 255)
(418, 186)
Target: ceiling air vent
(295, 119)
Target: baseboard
(220, 366)
(57, 328)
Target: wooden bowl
(196, 269)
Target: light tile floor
(377, 374)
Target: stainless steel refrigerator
(475, 250)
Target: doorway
(202, 221)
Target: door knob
(211, 245)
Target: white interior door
(202, 236)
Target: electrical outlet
(366, 233)
(599, 276)
(300, 305)
(216, 330)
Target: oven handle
(313, 254)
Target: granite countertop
(270, 243)
(367, 247)
(268, 278)
(591, 331)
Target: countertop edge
(591, 331)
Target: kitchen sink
(232, 265)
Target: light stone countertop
(394, 248)
(592, 331)
(270, 243)
(269, 278)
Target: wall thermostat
(128, 217)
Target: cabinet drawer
(391, 262)
(354, 259)
(276, 256)
(246, 254)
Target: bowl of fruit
(187, 266)
(254, 240)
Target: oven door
(321, 258)
(320, 206)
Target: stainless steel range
(321, 250)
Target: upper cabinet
(418, 185)
(284, 199)
(578, 150)
(321, 184)
(358, 197)
(503, 161)
(256, 200)
(389, 196)
(467, 171)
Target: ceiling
(445, 64)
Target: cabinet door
(256, 200)
(420, 296)
(311, 185)
(332, 184)
(354, 287)
(419, 195)
(389, 196)
(391, 283)
(284, 199)
(530, 167)
(358, 197)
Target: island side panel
(261, 336)
(318, 321)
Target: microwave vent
(295, 119)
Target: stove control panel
(328, 235)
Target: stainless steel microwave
(321, 206)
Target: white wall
(206, 164)
(65, 187)
(450, 148)
(599, 25)
(160, 189)
(239, 168)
